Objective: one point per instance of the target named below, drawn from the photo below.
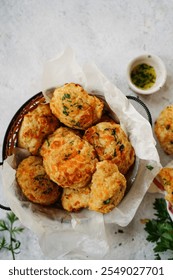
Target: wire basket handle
(139, 101)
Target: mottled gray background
(110, 33)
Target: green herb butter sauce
(143, 76)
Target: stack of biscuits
(78, 155)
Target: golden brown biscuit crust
(35, 183)
(111, 143)
(75, 199)
(108, 186)
(74, 107)
(69, 160)
(36, 125)
(166, 177)
(164, 129)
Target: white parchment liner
(84, 232)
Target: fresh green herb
(66, 96)
(160, 230)
(149, 167)
(65, 112)
(12, 245)
(107, 201)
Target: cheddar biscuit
(164, 129)
(166, 177)
(74, 107)
(108, 186)
(75, 199)
(35, 183)
(36, 125)
(111, 143)
(69, 160)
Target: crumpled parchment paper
(60, 233)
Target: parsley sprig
(11, 244)
(160, 230)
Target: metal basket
(11, 135)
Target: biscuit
(68, 160)
(75, 199)
(35, 183)
(74, 107)
(36, 125)
(108, 186)
(166, 177)
(111, 143)
(164, 129)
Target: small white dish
(159, 67)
